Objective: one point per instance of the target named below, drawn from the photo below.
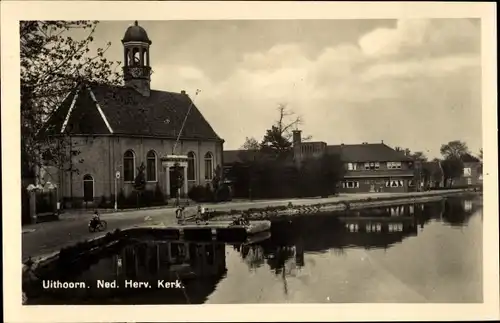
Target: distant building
(369, 167)
(472, 172)
(118, 128)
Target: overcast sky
(412, 83)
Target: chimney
(183, 92)
(382, 141)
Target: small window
(367, 166)
(377, 165)
(352, 184)
(350, 166)
(394, 165)
(394, 183)
(467, 171)
(469, 181)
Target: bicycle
(101, 225)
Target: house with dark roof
(118, 128)
(369, 167)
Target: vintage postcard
(249, 161)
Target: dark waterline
(407, 254)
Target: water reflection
(377, 228)
(332, 247)
(199, 266)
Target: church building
(116, 129)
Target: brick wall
(102, 156)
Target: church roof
(136, 33)
(102, 109)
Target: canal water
(407, 254)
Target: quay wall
(270, 212)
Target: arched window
(191, 171)
(88, 188)
(136, 59)
(151, 166)
(209, 166)
(129, 166)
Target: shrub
(122, 200)
(159, 197)
(209, 193)
(197, 193)
(103, 203)
(146, 198)
(223, 194)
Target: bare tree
(278, 140)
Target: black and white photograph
(168, 154)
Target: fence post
(32, 202)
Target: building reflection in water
(378, 228)
(199, 266)
(150, 260)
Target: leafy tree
(140, 181)
(250, 144)
(452, 169)
(323, 173)
(480, 155)
(140, 178)
(418, 156)
(53, 63)
(217, 179)
(454, 149)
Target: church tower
(137, 68)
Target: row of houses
(375, 167)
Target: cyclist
(96, 218)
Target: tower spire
(137, 68)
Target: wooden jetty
(211, 230)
